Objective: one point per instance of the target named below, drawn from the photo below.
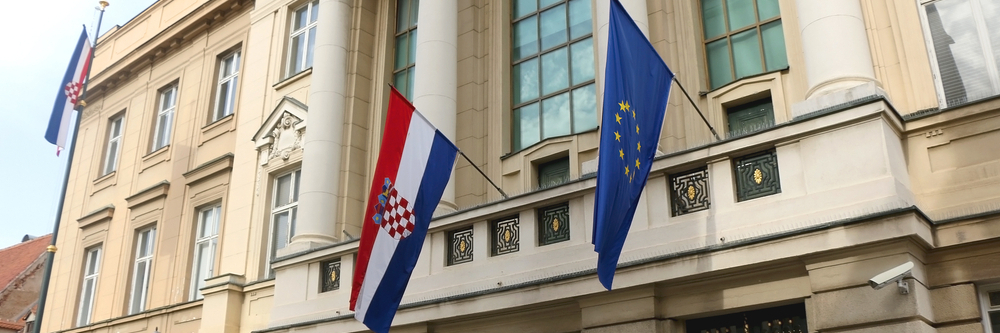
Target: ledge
(219, 164)
(293, 78)
(102, 214)
(153, 192)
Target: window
(91, 266)
(506, 236)
(780, 319)
(741, 27)
(225, 95)
(689, 191)
(303, 38)
(329, 276)
(990, 300)
(140, 271)
(460, 246)
(553, 70)
(406, 46)
(114, 143)
(965, 46)
(553, 173)
(750, 117)
(757, 175)
(206, 239)
(284, 203)
(164, 117)
(553, 224)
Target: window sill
(293, 78)
(216, 129)
(154, 158)
(105, 181)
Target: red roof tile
(10, 326)
(17, 258)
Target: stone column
(435, 86)
(835, 45)
(323, 142)
(637, 10)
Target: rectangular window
(460, 246)
(284, 208)
(302, 39)
(689, 191)
(91, 266)
(757, 175)
(114, 144)
(164, 117)
(553, 173)
(206, 240)
(506, 236)
(750, 117)
(964, 39)
(990, 300)
(742, 38)
(144, 244)
(225, 94)
(553, 70)
(329, 275)
(553, 224)
(406, 46)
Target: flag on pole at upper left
(69, 93)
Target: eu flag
(636, 87)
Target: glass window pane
(555, 116)
(232, 96)
(164, 131)
(767, 9)
(282, 191)
(402, 15)
(579, 18)
(291, 223)
(138, 286)
(92, 262)
(220, 105)
(295, 190)
(227, 67)
(746, 53)
(522, 7)
(88, 293)
(412, 59)
(991, 12)
(310, 45)
(714, 21)
(281, 232)
(960, 57)
(584, 109)
(525, 77)
(296, 54)
(740, 13)
(995, 321)
(301, 18)
(525, 41)
(718, 63)
(315, 12)
(411, 75)
(553, 27)
(400, 81)
(402, 51)
(546, 3)
(526, 129)
(583, 61)
(116, 127)
(555, 74)
(774, 46)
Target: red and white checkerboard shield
(397, 219)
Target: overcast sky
(33, 64)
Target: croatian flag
(412, 171)
(69, 91)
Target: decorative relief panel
(553, 224)
(329, 275)
(285, 138)
(689, 191)
(757, 175)
(506, 236)
(460, 246)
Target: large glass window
(144, 244)
(302, 38)
(553, 70)
(225, 94)
(742, 38)
(164, 117)
(990, 300)
(114, 144)
(206, 239)
(284, 209)
(965, 43)
(406, 46)
(91, 266)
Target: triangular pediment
(295, 109)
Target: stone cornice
(219, 164)
(100, 215)
(153, 192)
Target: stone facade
(862, 165)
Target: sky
(33, 64)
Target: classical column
(637, 10)
(835, 45)
(435, 86)
(322, 145)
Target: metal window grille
(329, 275)
(460, 246)
(689, 191)
(781, 319)
(757, 176)
(506, 236)
(553, 224)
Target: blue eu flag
(636, 86)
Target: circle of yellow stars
(626, 109)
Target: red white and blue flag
(69, 92)
(412, 171)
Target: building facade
(227, 147)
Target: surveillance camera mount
(904, 288)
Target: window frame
(231, 82)
(729, 44)
(291, 208)
(290, 67)
(114, 144)
(159, 139)
(984, 304)
(147, 235)
(92, 253)
(197, 262)
(410, 31)
(984, 42)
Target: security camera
(896, 274)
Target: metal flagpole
(46, 276)
(484, 174)
(697, 109)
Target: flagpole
(697, 109)
(484, 174)
(51, 249)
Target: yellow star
(622, 106)
(626, 170)
(618, 119)
(638, 146)
(618, 137)
(637, 163)
(626, 105)
(637, 128)
(633, 114)
(621, 153)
